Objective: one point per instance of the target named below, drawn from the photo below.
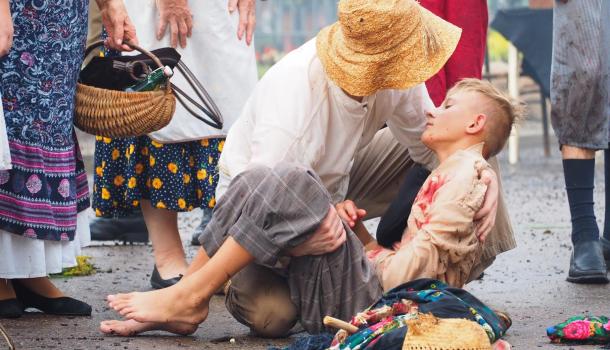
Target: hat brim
(405, 66)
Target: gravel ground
(528, 282)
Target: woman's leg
(42, 286)
(6, 290)
(163, 232)
(587, 263)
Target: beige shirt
(440, 241)
(297, 115)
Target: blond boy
(440, 241)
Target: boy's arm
(445, 236)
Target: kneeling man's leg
(260, 299)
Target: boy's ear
(477, 124)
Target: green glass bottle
(155, 80)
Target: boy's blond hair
(502, 112)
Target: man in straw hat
(309, 137)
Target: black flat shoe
(587, 264)
(10, 308)
(64, 306)
(606, 250)
(159, 283)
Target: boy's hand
(349, 213)
(329, 236)
(485, 218)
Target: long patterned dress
(46, 188)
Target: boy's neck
(445, 151)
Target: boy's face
(458, 116)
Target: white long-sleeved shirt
(296, 114)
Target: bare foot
(132, 327)
(166, 305)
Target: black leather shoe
(606, 250)
(127, 229)
(587, 264)
(11, 308)
(64, 306)
(159, 283)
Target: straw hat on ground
(430, 333)
(384, 44)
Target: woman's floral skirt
(179, 176)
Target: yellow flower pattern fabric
(177, 177)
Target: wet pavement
(528, 282)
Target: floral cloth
(383, 325)
(177, 176)
(441, 240)
(47, 186)
(581, 329)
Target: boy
(440, 241)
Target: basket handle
(151, 55)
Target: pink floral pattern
(577, 330)
(30, 233)
(34, 184)
(4, 177)
(64, 188)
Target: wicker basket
(114, 113)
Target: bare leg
(42, 286)
(570, 152)
(167, 247)
(193, 292)
(198, 262)
(6, 290)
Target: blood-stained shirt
(440, 241)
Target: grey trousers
(269, 211)
(580, 73)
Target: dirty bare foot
(132, 327)
(167, 305)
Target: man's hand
(485, 218)
(329, 236)
(247, 17)
(176, 15)
(117, 24)
(6, 28)
(349, 213)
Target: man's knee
(260, 300)
(272, 315)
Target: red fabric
(467, 60)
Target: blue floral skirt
(178, 176)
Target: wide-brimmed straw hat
(430, 333)
(384, 44)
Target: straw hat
(430, 333)
(384, 44)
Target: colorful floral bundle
(581, 329)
